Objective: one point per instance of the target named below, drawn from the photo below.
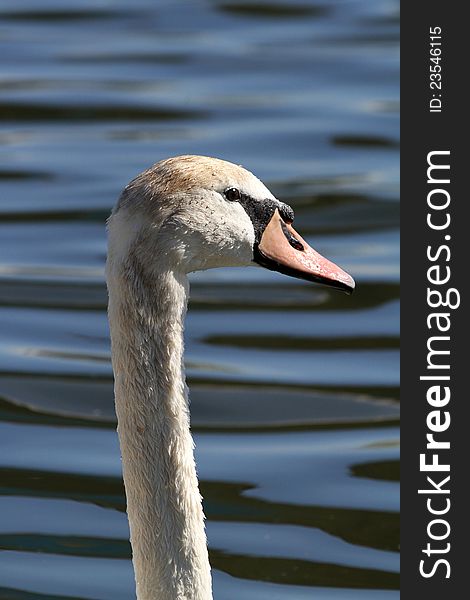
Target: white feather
(170, 220)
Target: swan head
(190, 213)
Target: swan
(183, 214)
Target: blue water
(294, 388)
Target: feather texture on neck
(146, 314)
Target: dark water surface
(294, 388)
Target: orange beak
(282, 249)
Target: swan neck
(164, 508)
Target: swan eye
(232, 194)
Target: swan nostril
(294, 242)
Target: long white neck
(146, 316)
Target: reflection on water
(293, 387)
